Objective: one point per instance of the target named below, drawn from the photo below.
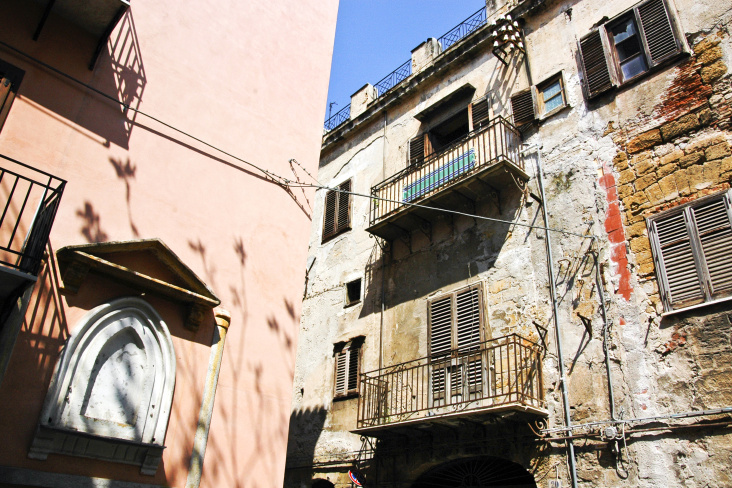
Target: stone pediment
(146, 264)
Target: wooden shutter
(522, 105)
(480, 113)
(468, 318)
(6, 97)
(337, 212)
(597, 77)
(416, 150)
(713, 228)
(441, 327)
(348, 362)
(658, 31)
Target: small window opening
(353, 292)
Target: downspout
(195, 469)
(383, 265)
(553, 293)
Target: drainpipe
(605, 332)
(195, 469)
(553, 293)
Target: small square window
(551, 95)
(353, 292)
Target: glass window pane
(553, 103)
(552, 90)
(628, 48)
(623, 30)
(633, 67)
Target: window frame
(348, 301)
(341, 198)
(347, 351)
(700, 260)
(601, 38)
(10, 78)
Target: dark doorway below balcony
(484, 471)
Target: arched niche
(111, 392)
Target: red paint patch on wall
(686, 93)
(616, 234)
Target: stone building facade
(517, 271)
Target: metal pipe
(605, 333)
(553, 294)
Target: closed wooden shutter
(468, 318)
(658, 31)
(715, 236)
(416, 150)
(337, 211)
(480, 112)
(441, 327)
(692, 250)
(348, 362)
(597, 77)
(522, 105)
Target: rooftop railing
(498, 141)
(30, 199)
(403, 72)
(496, 374)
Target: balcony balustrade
(483, 162)
(498, 375)
(29, 198)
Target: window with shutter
(10, 78)
(628, 46)
(347, 367)
(522, 105)
(456, 332)
(337, 213)
(691, 247)
(480, 111)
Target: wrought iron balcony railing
(498, 374)
(498, 142)
(30, 198)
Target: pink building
(151, 260)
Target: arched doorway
(478, 472)
(322, 484)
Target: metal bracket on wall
(587, 323)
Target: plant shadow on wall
(251, 386)
(126, 172)
(305, 427)
(92, 227)
(119, 72)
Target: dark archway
(478, 472)
(322, 484)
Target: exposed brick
(666, 170)
(620, 161)
(637, 229)
(625, 190)
(655, 194)
(644, 141)
(696, 178)
(626, 176)
(706, 43)
(640, 244)
(668, 187)
(645, 181)
(632, 217)
(671, 157)
(700, 143)
(706, 116)
(636, 202)
(679, 126)
(691, 159)
(718, 151)
(643, 256)
(713, 71)
(712, 171)
(710, 55)
(663, 149)
(682, 182)
(642, 162)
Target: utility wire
(282, 181)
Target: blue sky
(374, 37)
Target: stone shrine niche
(112, 389)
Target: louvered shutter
(597, 77)
(658, 31)
(713, 228)
(468, 324)
(522, 105)
(480, 112)
(416, 150)
(341, 376)
(329, 215)
(440, 317)
(344, 207)
(353, 360)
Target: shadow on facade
(305, 428)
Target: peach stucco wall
(248, 77)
